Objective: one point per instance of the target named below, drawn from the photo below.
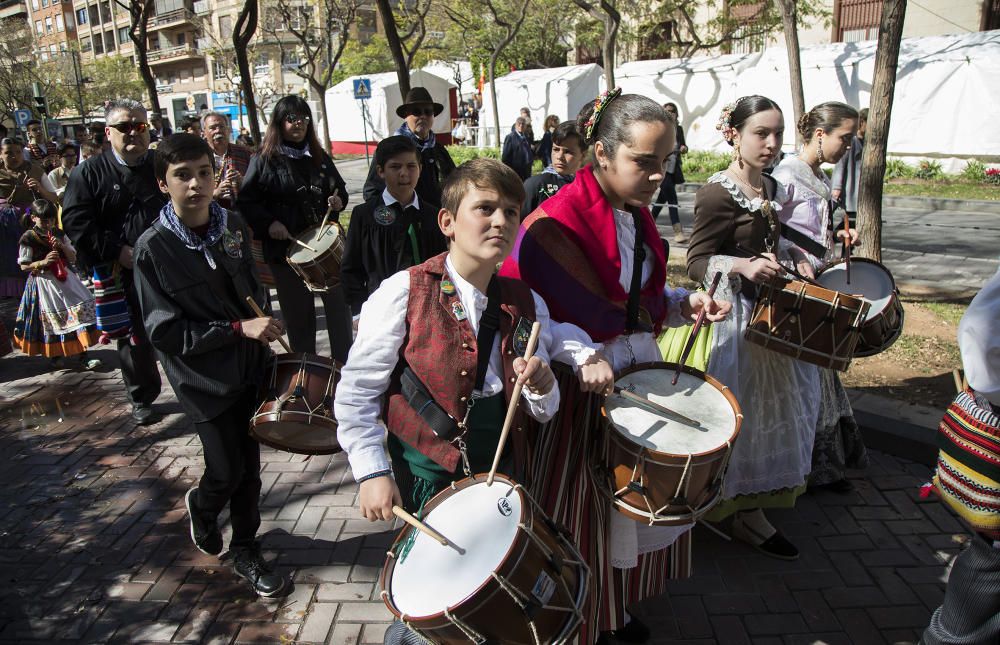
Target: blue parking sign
(362, 88)
(21, 117)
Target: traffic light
(41, 105)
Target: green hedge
(461, 154)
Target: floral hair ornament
(600, 103)
(725, 124)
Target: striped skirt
(55, 318)
(564, 482)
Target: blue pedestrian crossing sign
(21, 117)
(362, 88)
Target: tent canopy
(947, 98)
(380, 110)
(458, 73)
(559, 90)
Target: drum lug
(637, 487)
(556, 562)
(679, 501)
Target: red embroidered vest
(442, 352)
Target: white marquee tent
(347, 131)
(947, 100)
(560, 90)
(457, 73)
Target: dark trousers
(138, 362)
(298, 310)
(668, 194)
(232, 471)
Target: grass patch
(924, 354)
(950, 312)
(945, 189)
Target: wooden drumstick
(847, 246)
(304, 245)
(420, 526)
(260, 313)
(515, 396)
(699, 321)
(326, 218)
(653, 405)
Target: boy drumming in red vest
(418, 342)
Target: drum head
(868, 279)
(482, 520)
(692, 397)
(321, 240)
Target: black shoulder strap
(802, 241)
(638, 258)
(489, 323)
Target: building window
(45, 55)
(98, 44)
(182, 39)
(109, 41)
(59, 22)
(219, 69)
(198, 73)
(38, 27)
(656, 39)
(857, 20)
(262, 66)
(85, 44)
(69, 21)
(48, 24)
(225, 27)
(290, 59)
(81, 16)
(106, 12)
(123, 36)
(95, 16)
(45, 3)
(34, 5)
(53, 50)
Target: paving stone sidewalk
(94, 545)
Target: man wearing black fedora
(418, 112)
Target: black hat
(417, 96)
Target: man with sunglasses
(110, 200)
(418, 113)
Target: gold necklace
(757, 191)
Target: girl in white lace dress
(735, 212)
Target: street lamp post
(77, 74)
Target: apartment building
(53, 26)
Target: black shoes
(205, 535)
(248, 563)
(144, 414)
(768, 541)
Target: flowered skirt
(55, 318)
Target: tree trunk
(395, 47)
(609, 44)
(246, 26)
(789, 19)
(138, 35)
(877, 135)
(320, 90)
(493, 95)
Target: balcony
(173, 54)
(174, 18)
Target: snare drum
(509, 576)
(319, 268)
(807, 322)
(667, 469)
(884, 322)
(296, 410)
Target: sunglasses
(297, 118)
(128, 127)
(424, 112)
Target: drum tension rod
(637, 487)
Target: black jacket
(435, 166)
(517, 154)
(378, 247)
(188, 310)
(538, 188)
(107, 205)
(678, 169)
(291, 191)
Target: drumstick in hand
(257, 310)
(694, 330)
(847, 247)
(512, 406)
(304, 245)
(326, 218)
(420, 526)
(653, 405)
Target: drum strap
(803, 241)
(638, 258)
(489, 323)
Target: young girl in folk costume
(578, 250)
(807, 218)
(735, 214)
(56, 317)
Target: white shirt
(389, 200)
(375, 353)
